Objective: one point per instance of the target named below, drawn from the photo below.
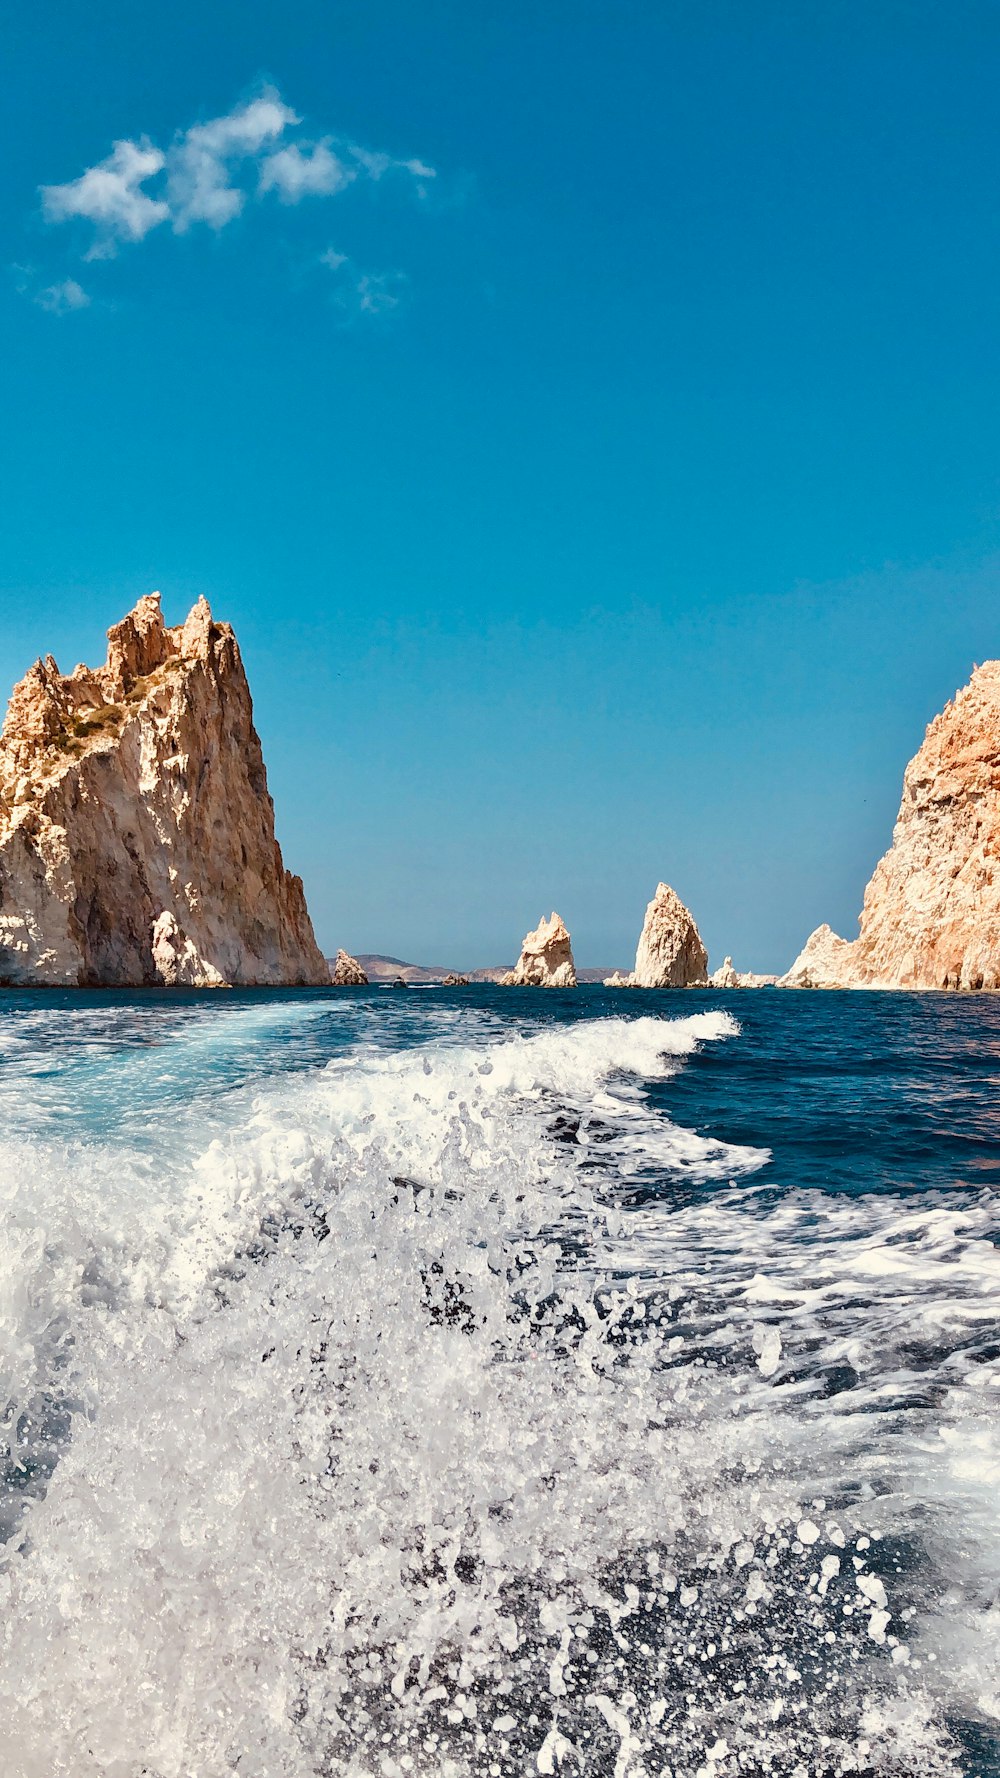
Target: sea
(498, 1382)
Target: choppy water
(495, 1383)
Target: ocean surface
(494, 1382)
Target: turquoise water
(486, 1381)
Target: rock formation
(136, 831)
(825, 961)
(931, 914)
(730, 977)
(346, 972)
(726, 977)
(546, 959)
(670, 953)
(455, 981)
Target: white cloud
(298, 171)
(61, 299)
(110, 195)
(200, 161)
(206, 175)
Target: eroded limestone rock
(346, 972)
(931, 914)
(546, 959)
(730, 977)
(670, 953)
(136, 830)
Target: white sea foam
(404, 1440)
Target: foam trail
(399, 1445)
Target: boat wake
(448, 1409)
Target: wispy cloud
(57, 299)
(357, 292)
(208, 172)
(62, 299)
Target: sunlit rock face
(931, 915)
(136, 830)
(825, 961)
(346, 972)
(670, 953)
(546, 959)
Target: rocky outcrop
(726, 977)
(670, 953)
(455, 981)
(931, 914)
(825, 961)
(730, 977)
(346, 972)
(137, 839)
(546, 959)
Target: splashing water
(403, 1390)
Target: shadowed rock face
(546, 959)
(931, 915)
(137, 839)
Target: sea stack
(931, 914)
(546, 959)
(346, 972)
(670, 953)
(137, 839)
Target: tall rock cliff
(670, 953)
(546, 959)
(931, 915)
(136, 830)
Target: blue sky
(586, 414)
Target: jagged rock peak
(346, 972)
(670, 953)
(136, 830)
(931, 914)
(825, 961)
(546, 959)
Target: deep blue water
(497, 1377)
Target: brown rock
(136, 831)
